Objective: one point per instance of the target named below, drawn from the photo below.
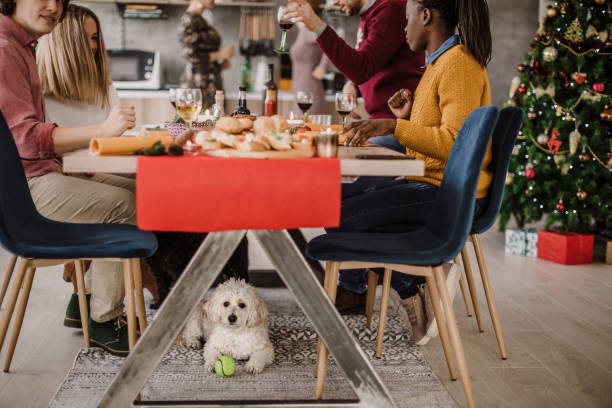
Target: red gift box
(567, 249)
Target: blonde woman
(81, 103)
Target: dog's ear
(207, 310)
(261, 313)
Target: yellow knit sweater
(451, 87)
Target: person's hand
(301, 11)
(226, 53)
(400, 103)
(119, 120)
(226, 65)
(351, 88)
(363, 130)
(318, 73)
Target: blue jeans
(384, 204)
(388, 141)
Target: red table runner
(205, 194)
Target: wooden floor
(557, 323)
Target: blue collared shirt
(449, 43)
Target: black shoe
(73, 312)
(112, 336)
(348, 302)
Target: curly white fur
(232, 321)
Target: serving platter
(267, 154)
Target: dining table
(217, 248)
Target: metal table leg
(199, 275)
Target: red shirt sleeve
(21, 109)
(385, 35)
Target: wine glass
(304, 101)
(188, 104)
(285, 25)
(345, 102)
(172, 97)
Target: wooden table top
(82, 161)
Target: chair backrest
(451, 218)
(16, 205)
(503, 140)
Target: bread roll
(229, 125)
(247, 124)
(280, 123)
(250, 146)
(263, 125)
(225, 138)
(279, 141)
(211, 145)
(201, 137)
(301, 146)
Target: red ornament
(526, 191)
(598, 87)
(579, 77)
(553, 143)
(522, 89)
(560, 207)
(530, 173)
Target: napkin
(125, 145)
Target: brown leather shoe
(348, 302)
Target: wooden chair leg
(331, 269)
(142, 312)
(446, 346)
(470, 280)
(25, 295)
(489, 295)
(371, 296)
(129, 301)
(7, 315)
(454, 335)
(328, 274)
(384, 305)
(466, 302)
(80, 278)
(7, 277)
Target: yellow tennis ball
(225, 366)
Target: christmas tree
(561, 166)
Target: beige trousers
(101, 198)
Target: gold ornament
(591, 32)
(600, 2)
(532, 115)
(606, 115)
(551, 12)
(568, 117)
(559, 111)
(574, 138)
(574, 32)
(581, 195)
(542, 138)
(509, 179)
(549, 54)
(583, 157)
(563, 8)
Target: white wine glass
(304, 101)
(345, 103)
(188, 104)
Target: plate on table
(266, 154)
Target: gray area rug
(180, 375)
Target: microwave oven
(135, 69)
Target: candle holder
(327, 144)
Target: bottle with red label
(270, 106)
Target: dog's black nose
(232, 318)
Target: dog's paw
(193, 343)
(252, 368)
(209, 366)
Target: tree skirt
(180, 375)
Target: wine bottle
(270, 94)
(219, 110)
(242, 103)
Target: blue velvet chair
(503, 140)
(38, 241)
(421, 252)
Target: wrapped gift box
(567, 249)
(522, 242)
(602, 249)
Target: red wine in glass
(343, 112)
(285, 25)
(304, 106)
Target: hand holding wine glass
(285, 25)
(188, 104)
(345, 103)
(304, 101)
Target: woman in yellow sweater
(453, 85)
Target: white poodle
(233, 321)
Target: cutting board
(268, 154)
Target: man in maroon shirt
(381, 62)
(100, 198)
